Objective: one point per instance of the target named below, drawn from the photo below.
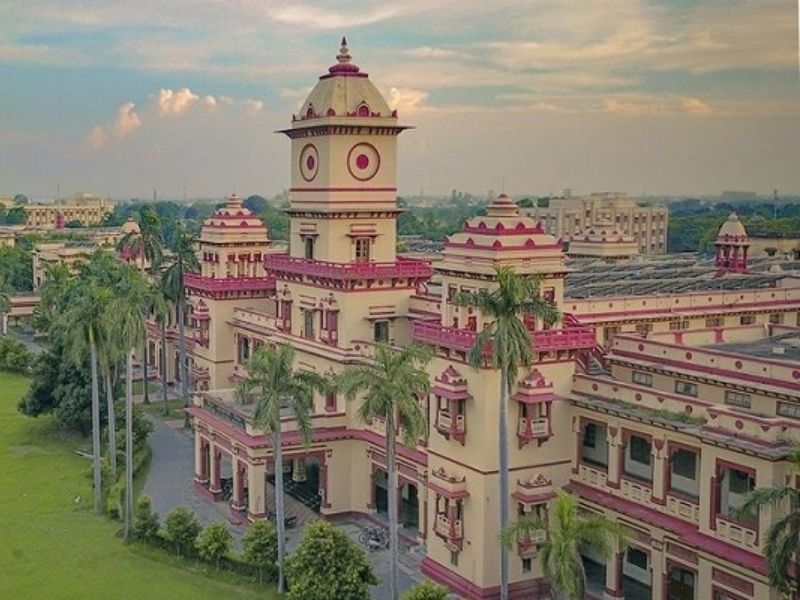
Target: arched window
(363, 110)
(310, 111)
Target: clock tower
(344, 169)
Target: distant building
(566, 218)
(87, 209)
(603, 240)
(7, 237)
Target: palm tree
(392, 385)
(180, 261)
(110, 355)
(148, 245)
(83, 323)
(130, 310)
(783, 537)
(279, 391)
(509, 346)
(5, 306)
(570, 531)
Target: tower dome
(731, 245)
(344, 91)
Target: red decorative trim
(377, 156)
(521, 590)
(345, 189)
(732, 581)
(302, 164)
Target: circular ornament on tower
(363, 161)
(309, 162)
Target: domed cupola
(344, 92)
(731, 245)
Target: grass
(53, 549)
(152, 388)
(156, 408)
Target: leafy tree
(14, 355)
(20, 199)
(260, 546)
(5, 305)
(511, 345)
(145, 520)
(782, 544)
(273, 384)
(74, 224)
(16, 216)
(215, 543)
(328, 564)
(392, 385)
(16, 268)
(427, 591)
(570, 531)
(181, 528)
(176, 265)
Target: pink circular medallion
(310, 162)
(362, 161)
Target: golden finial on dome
(344, 52)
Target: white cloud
(126, 121)
(252, 107)
(321, 19)
(97, 137)
(405, 100)
(174, 103)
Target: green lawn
(49, 548)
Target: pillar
(200, 460)
(214, 484)
(3, 324)
(616, 448)
(239, 476)
(660, 470)
(256, 478)
(613, 589)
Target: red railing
(403, 267)
(234, 284)
(544, 340)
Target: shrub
(328, 564)
(426, 591)
(116, 493)
(14, 355)
(215, 543)
(181, 529)
(260, 547)
(145, 520)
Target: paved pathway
(169, 485)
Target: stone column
(613, 589)
(239, 475)
(616, 449)
(256, 477)
(200, 449)
(214, 483)
(660, 470)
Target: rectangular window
(308, 321)
(638, 458)
(642, 378)
(636, 558)
(747, 320)
(362, 249)
(737, 399)
(715, 321)
(526, 565)
(735, 485)
(776, 319)
(330, 402)
(686, 389)
(308, 247)
(674, 324)
(454, 559)
(785, 409)
(644, 328)
(684, 472)
(381, 331)
(594, 447)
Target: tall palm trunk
(98, 491)
(503, 475)
(145, 367)
(163, 366)
(128, 444)
(112, 426)
(280, 511)
(182, 357)
(391, 472)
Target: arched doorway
(409, 506)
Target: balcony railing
(533, 428)
(529, 540)
(451, 529)
(445, 422)
(544, 340)
(228, 284)
(401, 268)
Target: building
(7, 237)
(87, 209)
(666, 391)
(569, 217)
(603, 240)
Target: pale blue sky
(656, 96)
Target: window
(686, 389)
(636, 558)
(776, 319)
(381, 331)
(549, 295)
(594, 447)
(308, 321)
(735, 485)
(715, 321)
(785, 409)
(609, 332)
(681, 584)
(644, 328)
(737, 399)
(362, 249)
(330, 402)
(638, 458)
(308, 247)
(454, 558)
(684, 472)
(526, 565)
(642, 378)
(678, 324)
(747, 319)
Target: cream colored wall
(333, 242)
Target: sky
(529, 96)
